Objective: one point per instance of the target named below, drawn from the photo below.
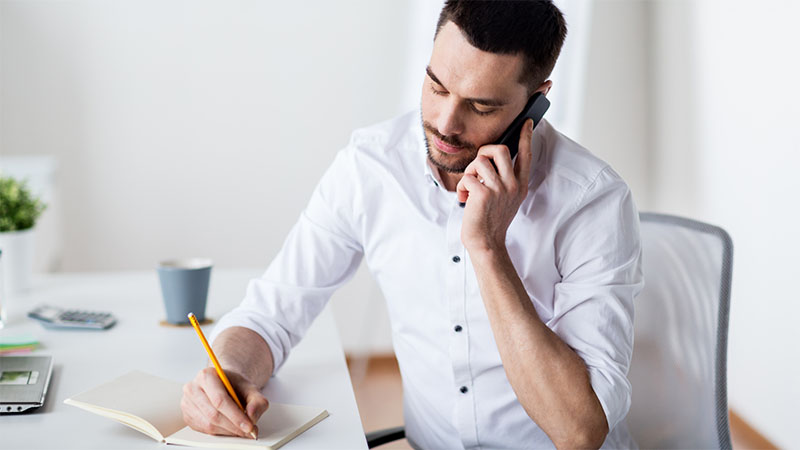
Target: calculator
(53, 317)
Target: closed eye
(438, 92)
(471, 105)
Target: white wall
(616, 117)
(728, 102)
(197, 127)
(179, 122)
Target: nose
(449, 121)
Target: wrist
(476, 242)
(487, 252)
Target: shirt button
(456, 259)
(464, 389)
(457, 328)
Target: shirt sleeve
(320, 254)
(598, 253)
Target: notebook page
(280, 424)
(153, 399)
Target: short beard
(451, 169)
(460, 168)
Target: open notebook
(151, 405)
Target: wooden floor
(379, 394)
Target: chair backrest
(679, 394)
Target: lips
(446, 148)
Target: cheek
(428, 105)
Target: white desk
(315, 373)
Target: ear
(544, 88)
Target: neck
(450, 179)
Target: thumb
(255, 404)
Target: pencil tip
(253, 434)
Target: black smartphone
(535, 108)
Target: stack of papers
(17, 344)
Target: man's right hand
(207, 407)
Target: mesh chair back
(679, 395)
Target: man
(509, 282)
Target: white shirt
(574, 243)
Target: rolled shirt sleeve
(599, 257)
(320, 254)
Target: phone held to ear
(535, 108)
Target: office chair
(678, 370)
(380, 437)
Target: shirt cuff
(613, 394)
(238, 318)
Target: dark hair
(535, 28)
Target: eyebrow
(481, 101)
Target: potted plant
(19, 210)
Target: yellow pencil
(221, 374)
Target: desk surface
(315, 373)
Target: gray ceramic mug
(184, 285)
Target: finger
(472, 186)
(485, 171)
(203, 417)
(461, 189)
(501, 158)
(470, 169)
(225, 413)
(522, 167)
(197, 420)
(220, 399)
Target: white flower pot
(17, 259)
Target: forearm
(242, 350)
(550, 380)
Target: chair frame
(721, 363)
(384, 436)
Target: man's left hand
(494, 194)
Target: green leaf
(19, 209)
